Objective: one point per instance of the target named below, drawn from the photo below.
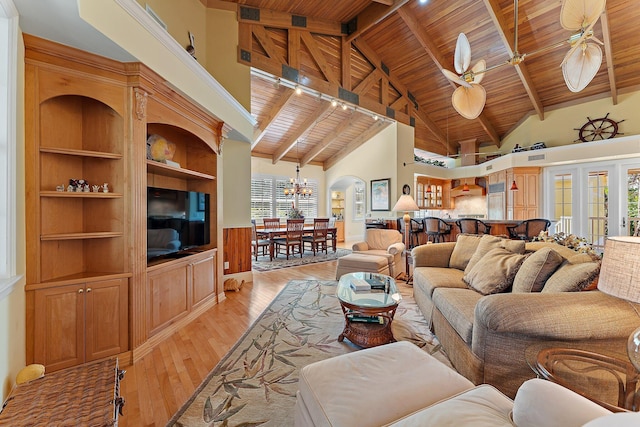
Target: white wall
(377, 159)
(236, 170)
(559, 126)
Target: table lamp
(405, 204)
(620, 277)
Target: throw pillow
(495, 271)
(464, 249)
(572, 277)
(536, 269)
(488, 242)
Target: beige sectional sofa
(487, 332)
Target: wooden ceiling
(385, 58)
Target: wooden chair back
(271, 223)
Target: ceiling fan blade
(478, 71)
(578, 14)
(580, 66)
(469, 102)
(455, 78)
(462, 56)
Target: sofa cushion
(478, 407)
(466, 246)
(495, 271)
(572, 277)
(561, 249)
(488, 242)
(431, 278)
(536, 269)
(458, 307)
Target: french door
(590, 200)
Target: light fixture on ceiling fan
(579, 66)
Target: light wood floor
(155, 387)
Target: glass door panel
(563, 208)
(597, 208)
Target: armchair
(387, 243)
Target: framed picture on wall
(380, 197)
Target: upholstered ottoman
(360, 262)
(373, 387)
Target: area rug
(263, 263)
(255, 383)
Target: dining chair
(528, 229)
(332, 233)
(473, 226)
(318, 237)
(436, 229)
(292, 238)
(271, 223)
(416, 228)
(257, 243)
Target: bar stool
(436, 229)
(473, 226)
(528, 229)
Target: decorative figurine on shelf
(105, 187)
(86, 188)
(60, 187)
(70, 188)
(159, 149)
(96, 188)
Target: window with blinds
(268, 199)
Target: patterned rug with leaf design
(255, 383)
(264, 264)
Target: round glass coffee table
(368, 314)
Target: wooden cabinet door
(107, 318)
(59, 327)
(340, 231)
(203, 279)
(168, 296)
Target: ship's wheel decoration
(598, 129)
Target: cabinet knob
(80, 290)
(88, 289)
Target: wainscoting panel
(237, 249)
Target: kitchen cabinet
(523, 203)
(433, 193)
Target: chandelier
(296, 187)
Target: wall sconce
(514, 186)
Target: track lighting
(334, 103)
(298, 90)
(344, 106)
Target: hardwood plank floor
(155, 387)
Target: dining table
(271, 233)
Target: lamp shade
(406, 204)
(620, 270)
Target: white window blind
(268, 198)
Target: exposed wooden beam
(271, 18)
(287, 145)
(318, 57)
(373, 14)
(367, 83)
(267, 43)
(439, 61)
(330, 138)
(495, 11)
(256, 59)
(373, 58)
(364, 137)
(387, 2)
(608, 55)
(273, 113)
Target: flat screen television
(176, 222)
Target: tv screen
(176, 221)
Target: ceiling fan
(579, 66)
